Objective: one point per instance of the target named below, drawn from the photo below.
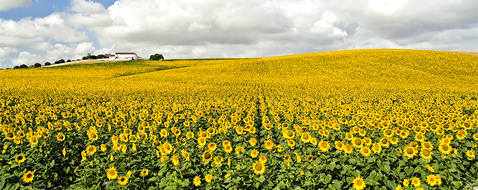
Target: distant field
(373, 119)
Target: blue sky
(48, 30)
(42, 8)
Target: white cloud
(236, 28)
(83, 6)
(26, 58)
(11, 4)
(27, 31)
(7, 51)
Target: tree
(23, 66)
(37, 65)
(16, 67)
(156, 57)
(101, 56)
(47, 63)
(60, 61)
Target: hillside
(343, 119)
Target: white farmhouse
(126, 55)
(121, 56)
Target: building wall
(126, 56)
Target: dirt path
(84, 62)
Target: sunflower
(20, 158)
(362, 132)
(358, 183)
(103, 147)
(470, 154)
(384, 142)
(365, 151)
(262, 159)
(388, 133)
(426, 154)
(416, 182)
(324, 146)
(189, 135)
(33, 140)
(175, 160)
(239, 150)
(409, 152)
(288, 134)
(432, 180)
(394, 140)
(60, 137)
(144, 172)
(123, 180)
(254, 153)
(212, 147)
(208, 178)
(406, 182)
(226, 143)
(310, 158)
(399, 187)
(348, 149)
(207, 156)
(376, 148)
(91, 149)
(305, 137)
(349, 136)
(419, 137)
(28, 177)
(111, 173)
(404, 134)
(269, 144)
(445, 148)
(357, 142)
(475, 136)
(201, 141)
(339, 145)
(164, 133)
(259, 168)
(63, 152)
(253, 141)
(197, 181)
(427, 145)
(291, 143)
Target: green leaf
(408, 171)
(386, 168)
(328, 178)
(2, 183)
(16, 186)
(337, 184)
(261, 178)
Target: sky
(34, 31)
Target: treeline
(36, 65)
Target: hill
(343, 119)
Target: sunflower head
(111, 173)
(123, 180)
(259, 168)
(20, 158)
(207, 156)
(28, 177)
(358, 183)
(144, 172)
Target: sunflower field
(356, 119)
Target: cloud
(27, 31)
(26, 58)
(11, 4)
(256, 28)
